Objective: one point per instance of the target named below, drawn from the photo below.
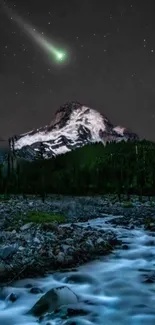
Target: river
(115, 289)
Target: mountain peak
(64, 112)
(69, 106)
(73, 126)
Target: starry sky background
(111, 66)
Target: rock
(28, 285)
(69, 241)
(149, 280)
(36, 240)
(151, 226)
(31, 204)
(21, 248)
(66, 248)
(35, 290)
(13, 297)
(100, 241)
(80, 278)
(26, 226)
(60, 231)
(65, 312)
(151, 243)
(76, 312)
(51, 236)
(89, 244)
(53, 299)
(60, 258)
(7, 251)
(124, 246)
(50, 254)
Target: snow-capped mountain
(74, 125)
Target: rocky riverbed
(33, 249)
(118, 288)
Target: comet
(44, 43)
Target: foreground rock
(54, 299)
(36, 250)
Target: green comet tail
(45, 44)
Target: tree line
(120, 168)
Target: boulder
(7, 251)
(54, 299)
(81, 278)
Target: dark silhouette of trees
(121, 168)
(40, 157)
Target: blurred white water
(115, 292)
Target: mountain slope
(74, 125)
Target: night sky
(110, 66)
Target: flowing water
(113, 289)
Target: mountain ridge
(73, 126)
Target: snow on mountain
(74, 125)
